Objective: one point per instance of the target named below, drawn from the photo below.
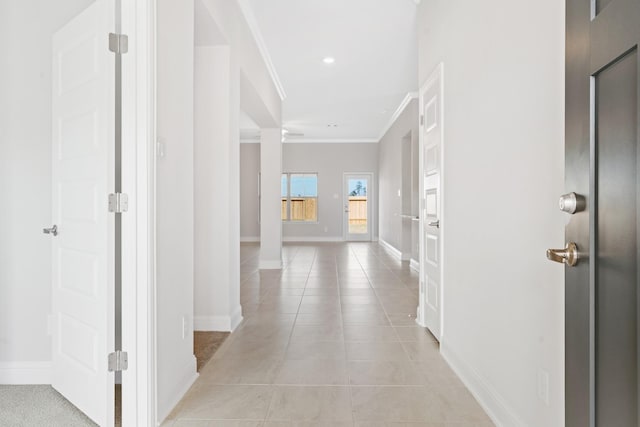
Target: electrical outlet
(185, 327)
(543, 386)
(160, 148)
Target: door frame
(138, 224)
(437, 73)
(370, 205)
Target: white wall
(391, 169)
(249, 188)
(503, 127)
(217, 169)
(25, 183)
(176, 365)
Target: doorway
(67, 74)
(410, 192)
(358, 206)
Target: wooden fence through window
(306, 209)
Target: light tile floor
(330, 340)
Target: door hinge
(118, 361)
(118, 202)
(422, 120)
(118, 43)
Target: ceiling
(374, 43)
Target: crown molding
(331, 141)
(247, 12)
(405, 102)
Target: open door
(83, 124)
(602, 178)
(430, 310)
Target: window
(299, 193)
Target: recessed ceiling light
(329, 60)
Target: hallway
(330, 340)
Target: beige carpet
(205, 344)
(38, 405)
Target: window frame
(288, 219)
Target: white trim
(250, 239)
(414, 265)
(247, 12)
(144, 338)
(390, 248)
(331, 141)
(138, 227)
(16, 373)
(270, 264)
(218, 323)
(236, 318)
(486, 395)
(403, 104)
(212, 323)
(189, 377)
(313, 239)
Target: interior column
(270, 199)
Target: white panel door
(431, 272)
(358, 190)
(83, 176)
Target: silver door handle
(53, 230)
(435, 223)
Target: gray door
(602, 164)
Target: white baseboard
(415, 265)
(236, 318)
(269, 264)
(218, 323)
(490, 400)
(389, 247)
(250, 239)
(16, 373)
(313, 239)
(190, 375)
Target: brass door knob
(568, 255)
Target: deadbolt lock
(572, 203)
(568, 255)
